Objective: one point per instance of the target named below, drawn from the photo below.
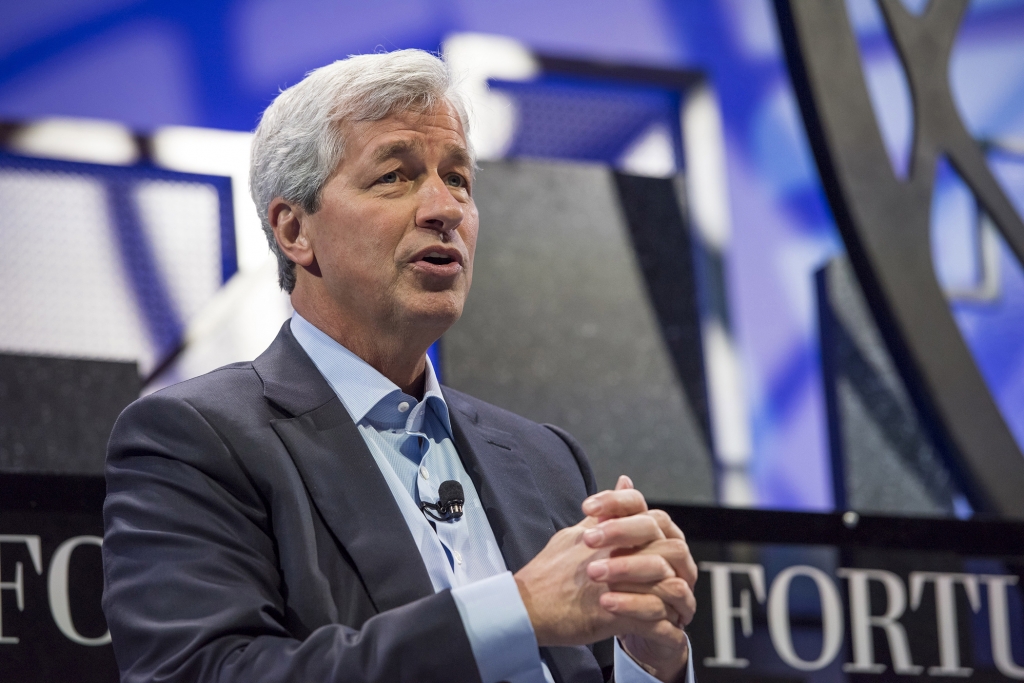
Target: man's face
(396, 231)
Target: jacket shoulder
(226, 383)
(210, 409)
(229, 392)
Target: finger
(674, 592)
(636, 606)
(677, 553)
(625, 532)
(682, 561)
(624, 482)
(668, 527)
(662, 632)
(618, 503)
(636, 569)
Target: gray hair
(299, 141)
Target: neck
(399, 356)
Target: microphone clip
(450, 503)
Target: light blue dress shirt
(411, 441)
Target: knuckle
(691, 573)
(618, 567)
(653, 605)
(666, 630)
(678, 547)
(613, 529)
(631, 500)
(617, 528)
(650, 569)
(676, 588)
(660, 516)
(624, 496)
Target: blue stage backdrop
(217, 64)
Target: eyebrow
(459, 155)
(394, 149)
(400, 148)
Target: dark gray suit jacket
(251, 537)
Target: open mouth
(437, 259)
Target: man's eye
(455, 180)
(389, 178)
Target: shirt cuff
(628, 671)
(499, 630)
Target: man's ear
(290, 227)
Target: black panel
(962, 537)
(54, 509)
(58, 508)
(56, 413)
(776, 541)
(576, 318)
(663, 248)
(883, 459)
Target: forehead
(438, 129)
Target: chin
(436, 312)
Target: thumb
(624, 482)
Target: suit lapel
(350, 492)
(508, 492)
(517, 513)
(342, 478)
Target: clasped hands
(623, 571)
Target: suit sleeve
(192, 587)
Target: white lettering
(723, 611)
(60, 600)
(831, 617)
(18, 585)
(945, 615)
(999, 624)
(862, 621)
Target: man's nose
(438, 209)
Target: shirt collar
(433, 397)
(359, 386)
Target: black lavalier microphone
(449, 504)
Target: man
(263, 522)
